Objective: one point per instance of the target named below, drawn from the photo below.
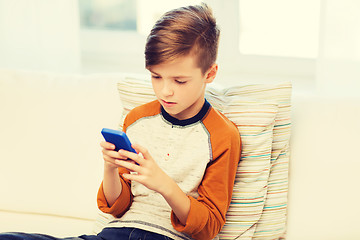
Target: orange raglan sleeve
(123, 202)
(208, 211)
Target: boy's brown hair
(183, 31)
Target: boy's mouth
(168, 104)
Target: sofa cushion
(49, 142)
(52, 225)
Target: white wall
(40, 35)
(338, 69)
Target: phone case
(118, 138)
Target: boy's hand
(110, 156)
(154, 178)
(148, 174)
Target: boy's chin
(171, 111)
(174, 113)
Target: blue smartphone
(118, 138)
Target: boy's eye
(156, 77)
(180, 82)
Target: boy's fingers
(109, 159)
(142, 150)
(130, 165)
(132, 177)
(113, 154)
(107, 145)
(133, 156)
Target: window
(117, 15)
(113, 32)
(258, 37)
(125, 15)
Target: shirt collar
(198, 117)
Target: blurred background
(313, 43)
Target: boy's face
(179, 86)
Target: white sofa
(51, 164)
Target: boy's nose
(167, 90)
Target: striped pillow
(272, 223)
(255, 121)
(261, 113)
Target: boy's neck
(184, 122)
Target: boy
(179, 185)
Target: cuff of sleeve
(121, 204)
(194, 221)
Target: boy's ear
(211, 73)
